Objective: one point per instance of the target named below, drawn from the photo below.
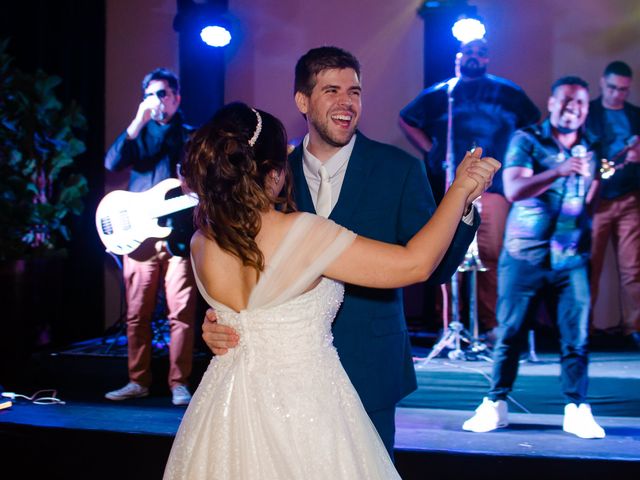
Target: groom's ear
(302, 102)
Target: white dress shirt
(336, 167)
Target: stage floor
(89, 437)
(80, 436)
(614, 384)
(527, 435)
(418, 429)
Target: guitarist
(617, 216)
(152, 145)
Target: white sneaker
(489, 416)
(579, 421)
(180, 395)
(130, 390)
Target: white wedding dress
(280, 406)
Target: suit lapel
(633, 117)
(598, 116)
(355, 179)
(304, 202)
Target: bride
(280, 406)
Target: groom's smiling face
(334, 106)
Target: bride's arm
(371, 263)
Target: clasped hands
(475, 174)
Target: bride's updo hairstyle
(229, 163)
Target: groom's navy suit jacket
(385, 196)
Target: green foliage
(38, 145)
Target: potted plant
(38, 144)
(39, 192)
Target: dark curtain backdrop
(67, 38)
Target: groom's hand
(219, 338)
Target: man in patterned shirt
(548, 175)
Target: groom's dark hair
(318, 59)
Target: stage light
(207, 20)
(467, 29)
(207, 36)
(440, 46)
(215, 36)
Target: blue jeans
(519, 285)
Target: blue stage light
(215, 36)
(467, 29)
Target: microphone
(579, 151)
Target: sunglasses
(615, 88)
(162, 93)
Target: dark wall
(67, 38)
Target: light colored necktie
(323, 202)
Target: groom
(375, 190)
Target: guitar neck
(631, 143)
(173, 205)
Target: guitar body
(609, 167)
(126, 219)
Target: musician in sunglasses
(152, 146)
(617, 217)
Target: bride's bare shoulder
(201, 243)
(197, 240)
(293, 216)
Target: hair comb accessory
(256, 133)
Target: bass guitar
(125, 219)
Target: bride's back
(223, 275)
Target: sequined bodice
(303, 324)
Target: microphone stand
(455, 332)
